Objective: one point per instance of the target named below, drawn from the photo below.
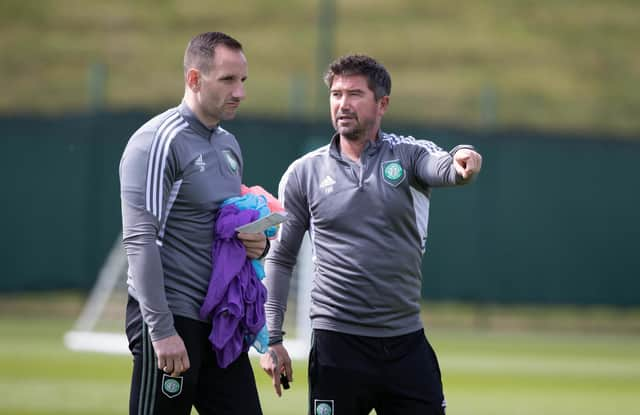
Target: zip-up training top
(368, 227)
(174, 174)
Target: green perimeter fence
(553, 218)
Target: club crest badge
(392, 172)
(323, 407)
(232, 162)
(171, 386)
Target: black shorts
(354, 374)
(211, 389)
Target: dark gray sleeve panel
(277, 281)
(284, 251)
(145, 268)
(432, 166)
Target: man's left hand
(467, 163)
(255, 243)
(276, 362)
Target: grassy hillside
(545, 64)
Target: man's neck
(193, 106)
(354, 148)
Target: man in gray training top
(175, 172)
(364, 198)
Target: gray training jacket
(174, 174)
(368, 227)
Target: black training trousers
(351, 375)
(211, 389)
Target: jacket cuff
(460, 147)
(276, 338)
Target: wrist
(276, 338)
(266, 250)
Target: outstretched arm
(436, 167)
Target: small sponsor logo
(323, 407)
(171, 386)
(392, 172)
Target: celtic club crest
(171, 386)
(392, 172)
(323, 407)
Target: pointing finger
(275, 376)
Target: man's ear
(383, 104)
(193, 79)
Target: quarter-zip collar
(370, 148)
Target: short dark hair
(201, 49)
(378, 78)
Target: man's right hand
(276, 361)
(172, 355)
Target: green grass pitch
(484, 372)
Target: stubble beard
(223, 112)
(228, 115)
(352, 132)
(357, 132)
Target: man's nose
(344, 103)
(238, 92)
